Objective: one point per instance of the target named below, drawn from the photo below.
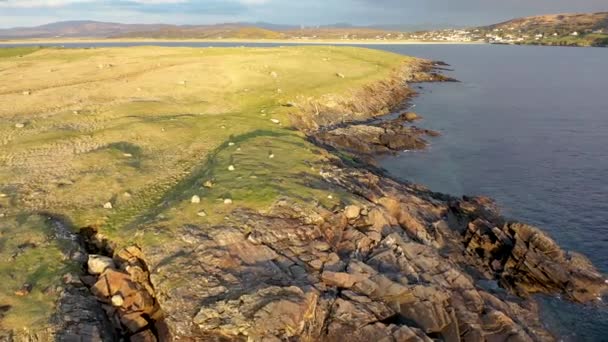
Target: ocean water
(527, 126)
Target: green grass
(145, 134)
(30, 253)
(17, 51)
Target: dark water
(527, 126)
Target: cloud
(39, 3)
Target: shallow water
(527, 126)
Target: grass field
(143, 130)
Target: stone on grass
(227, 201)
(195, 199)
(231, 168)
(24, 290)
(27, 92)
(107, 205)
(97, 264)
(208, 184)
(340, 75)
(274, 74)
(230, 144)
(202, 213)
(275, 121)
(271, 156)
(19, 125)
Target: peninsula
(229, 194)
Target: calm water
(527, 126)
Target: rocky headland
(400, 264)
(393, 262)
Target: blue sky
(306, 12)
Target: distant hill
(583, 29)
(260, 30)
(558, 23)
(72, 29)
(223, 31)
(590, 29)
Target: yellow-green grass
(143, 129)
(31, 252)
(17, 51)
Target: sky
(297, 12)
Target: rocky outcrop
(400, 264)
(407, 265)
(374, 139)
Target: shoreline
(227, 41)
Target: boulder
(352, 212)
(97, 264)
(409, 116)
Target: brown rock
(340, 279)
(409, 116)
(134, 322)
(144, 336)
(352, 212)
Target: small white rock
(275, 121)
(202, 214)
(330, 197)
(231, 168)
(271, 156)
(3, 195)
(117, 300)
(19, 125)
(230, 144)
(98, 263)
(27, 92)
(227, 201)
(195, 199)
(108, 205)
(127, 155)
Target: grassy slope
(144, 128)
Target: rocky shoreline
(396, 263)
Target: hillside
(94, 29)
(232, 31)
(557, 23)
(75, 29)
(590, 29)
